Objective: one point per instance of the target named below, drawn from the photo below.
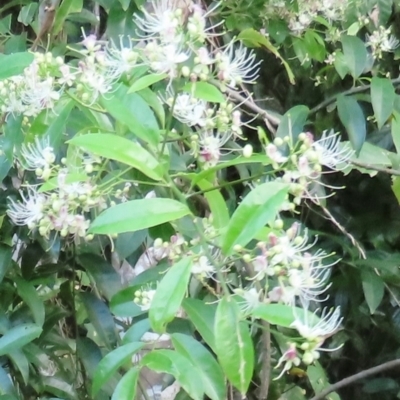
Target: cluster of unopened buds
(143, 297)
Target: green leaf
(21, 362)
(396, 130)
(177, 365)
(218, 207)
(126, 388)
(373, 287)
(67, 7)
(355, 55)
(111, 362)
(146, 81)
(138, 214)
(169, 294)
(259, 207)
(319, 380)
(204, 91)
(122, 304)
(252, 38)
(101, 319)
(208, 369)
(107, 279)
(5, 260)
(120, 149)
(18, 337)
(340, 64)
(382, 98)
(202, 316)
(352, 117)
(125, 4)
(136, 331)
(132, 111)
(56, 129)
(278, 314)
(14, 64)
(29, 295)
(27, 13)
(233, 345)
(292, 123)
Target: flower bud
(247, 151)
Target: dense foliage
(199, 199)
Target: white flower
(202, 267)
(237, 65)
(330, 152)
(317, 329)
(188, 110)
(290, 358)
(274, 154)
(251, 299)
(162, 22)
(165, 59)
(121, 59)
(38, 155)
(211, 145)
(28, 212)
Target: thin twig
(375, 168)
(354, 90)
(269, 119)
(265, 374)
(356, 377)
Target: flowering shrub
(167, 231)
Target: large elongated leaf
(126, 388)
(352, 117)
(355, 55)
(257, 208)
(132, 111)
(67, 7)
(233, 345)
(101, 318)
(373, 287)
(18, 337)
(5, 259)
(382, 98)
(202, 316)
(292, 123)
(177, 365)
(111, 362)
(169, 294)
(14, 64)
(138, 214)
(30, 296)
(208, 368)
(118, 148)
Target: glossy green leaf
(146, 81)
(217, 204)
(352, 117)
(253, 38)
(125, 4)
(179, 366)
(29, 295)
(101, 319)
(319, 380)
(209, 371)
(107, 279)
(132, 111)
(259, 207)
(21, 363)
(355, 55)
(14, 64)
(138, 214)
(205, 91)
(340, 64)
(373, 287)
(202, 316)
(395, 130)
(136, 331)
(111, 362)
(118, 148)
(382, 99)
(169, 295)
(60, 388)
(233, 345)
(56, 130)
(5, 259)
(27, 13)
(18, 337)
(66, 7)
(292, 123)
(6, 385)
(126, 388)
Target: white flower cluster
(304, 161)
(382, 41)
(65, 206)
(301, 17)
